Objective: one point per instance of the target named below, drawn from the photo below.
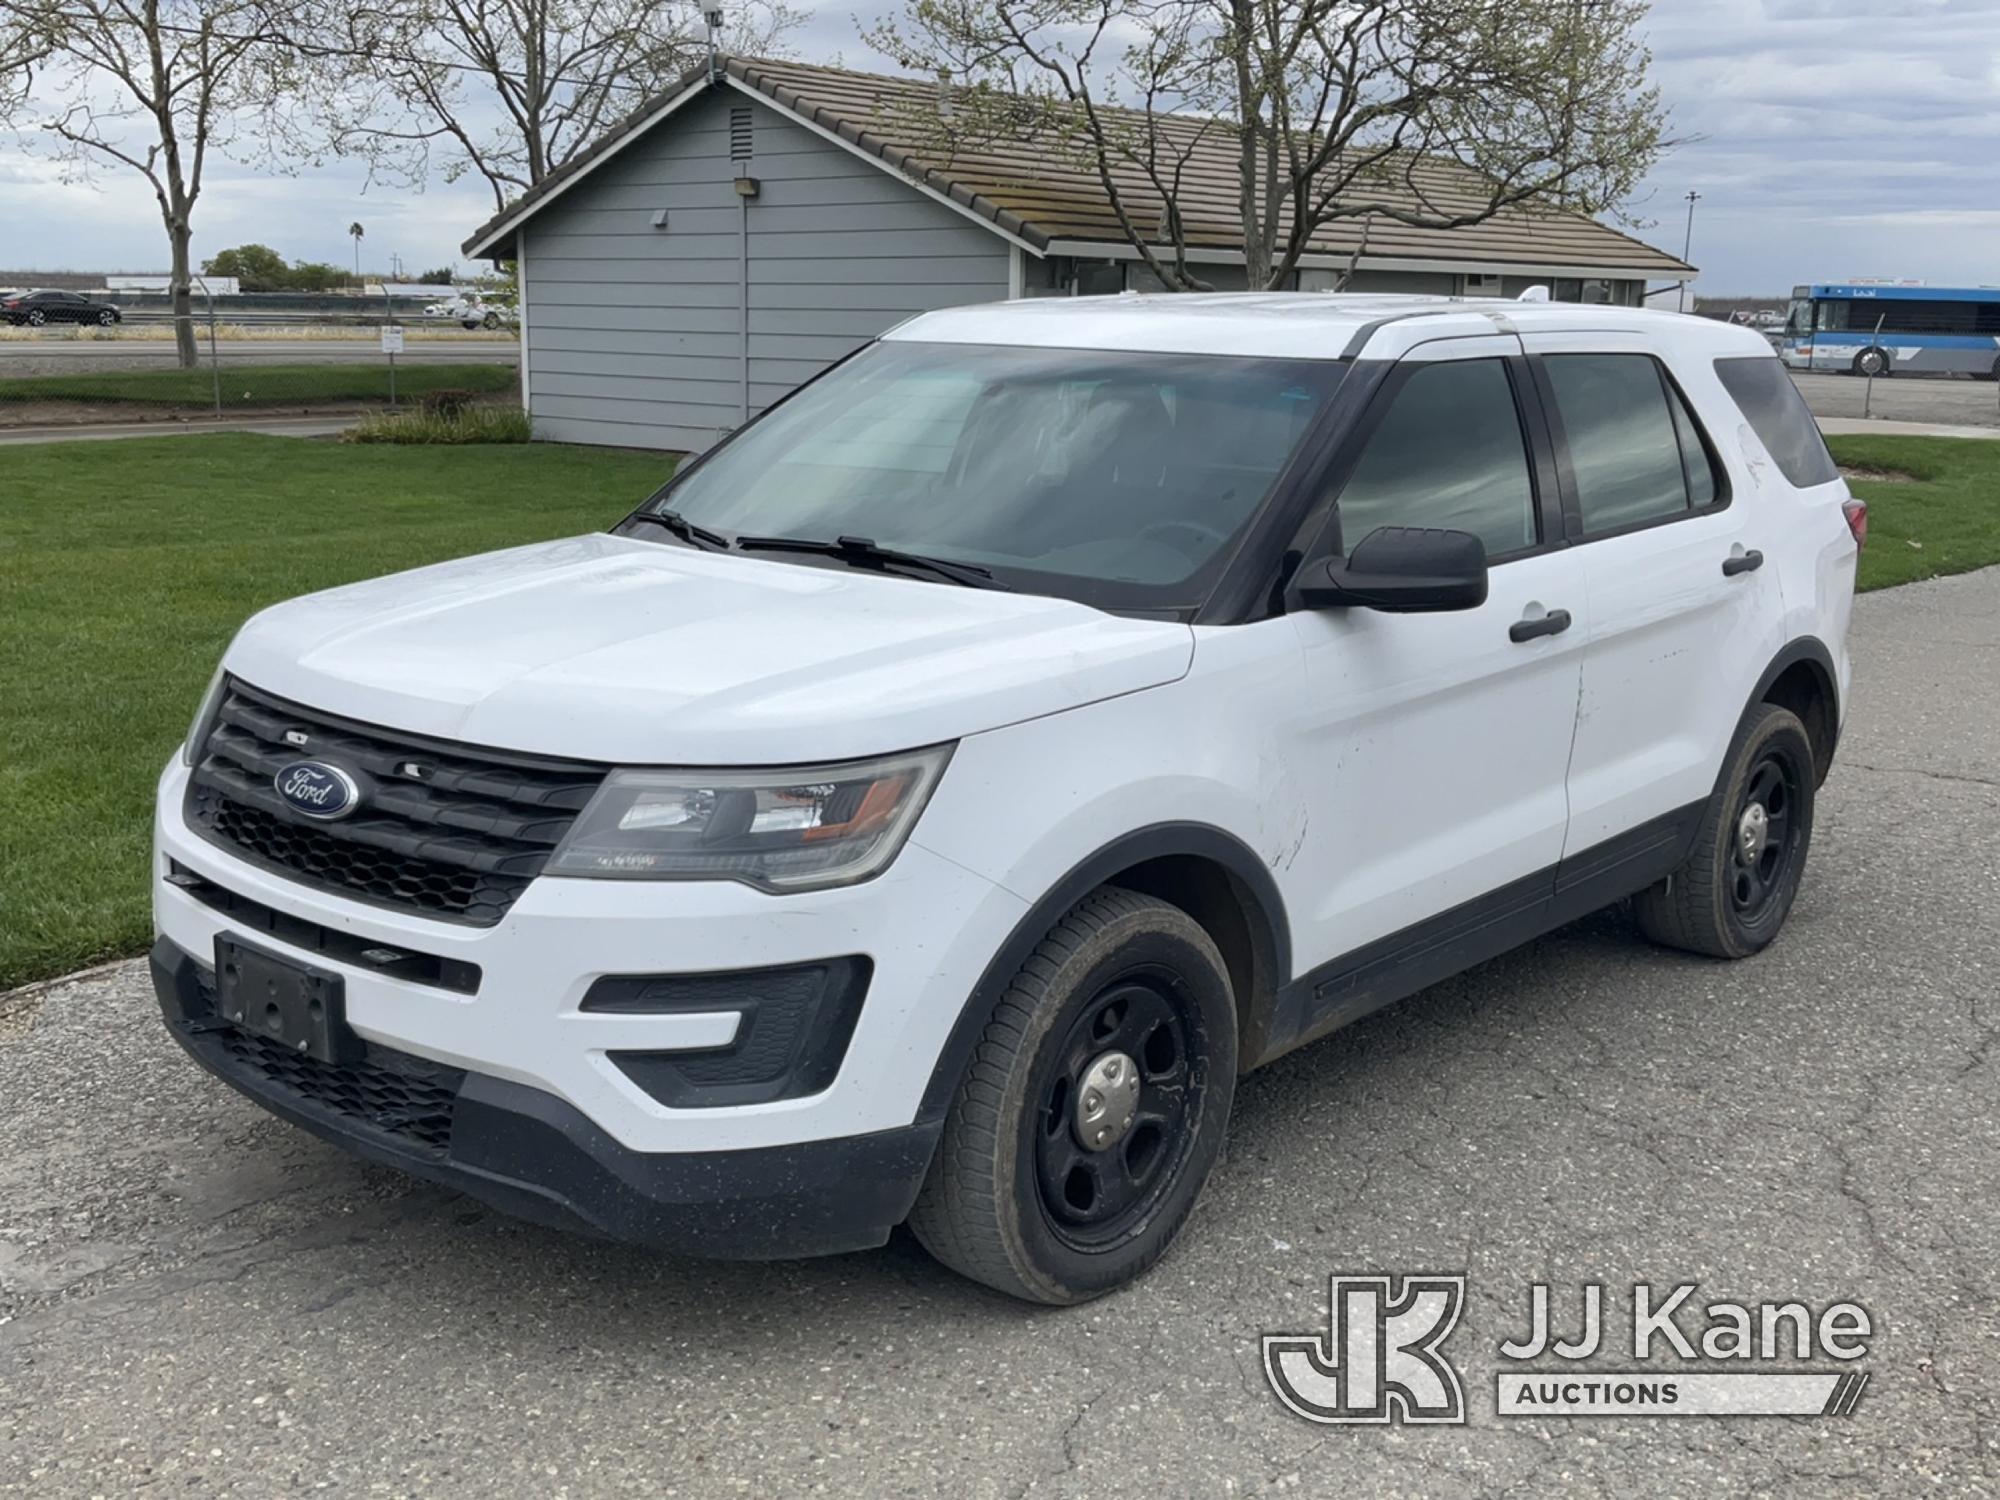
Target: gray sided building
(735, 237)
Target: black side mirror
(1402, 569)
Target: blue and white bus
(1927, 329)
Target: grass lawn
(246, 384)
(126, 566)
(1944, 517)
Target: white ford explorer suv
(929, 804)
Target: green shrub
(447, 401)
(473, 424)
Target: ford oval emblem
(314, 789)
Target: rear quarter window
(1777, 413)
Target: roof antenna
(1534, 294)
(711, 13)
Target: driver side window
(1449, 452)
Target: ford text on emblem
(316, 789)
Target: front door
(1438, 743)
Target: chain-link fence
(68, 358)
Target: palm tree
(354, 229)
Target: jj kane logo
(1381, 1358)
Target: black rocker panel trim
(1382, 972)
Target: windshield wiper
(680, 526)
(863, 552)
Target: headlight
(789, 828)
(204, 719)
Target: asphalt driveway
(196, 1299)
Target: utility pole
(1687, 245)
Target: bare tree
(1431, 113)
(512, 90)
(151, 86)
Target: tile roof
(1040, 194)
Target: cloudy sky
(1829, 139)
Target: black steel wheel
(1732, 893)
(1116, 1112)
(1764, 837)
(1093, 1108)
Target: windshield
(1798, 317)
(1118, 479)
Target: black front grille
(386, 1090)
(415, 1108)
(444, 830)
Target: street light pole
(1687, 246)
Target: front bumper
(529, 1154)
(929, 926)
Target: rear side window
(1624, 450)
(1777, 413)
(1635, 452)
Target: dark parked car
(37, 308)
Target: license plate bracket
(300, 1008)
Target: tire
(1139, 979)
(37, 318)
(1875, 362)
(1717, 902)
(106, 318)
(491, 320)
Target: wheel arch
(1802, 678)
(1210, 874)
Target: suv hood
(614, 649)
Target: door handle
(1742, 562)
(1555, 622)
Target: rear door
(1683, 612)
(1437, 743)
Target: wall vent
(739, 134)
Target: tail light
(1856, 512)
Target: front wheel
(491, 320)
(1875, 362)
(106, 318)
(37, 318)
(1093, 1109)
(1734, 891)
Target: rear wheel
(1093, 1109)
(1731, 896)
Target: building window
(1098, 278)
(1482, 285)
